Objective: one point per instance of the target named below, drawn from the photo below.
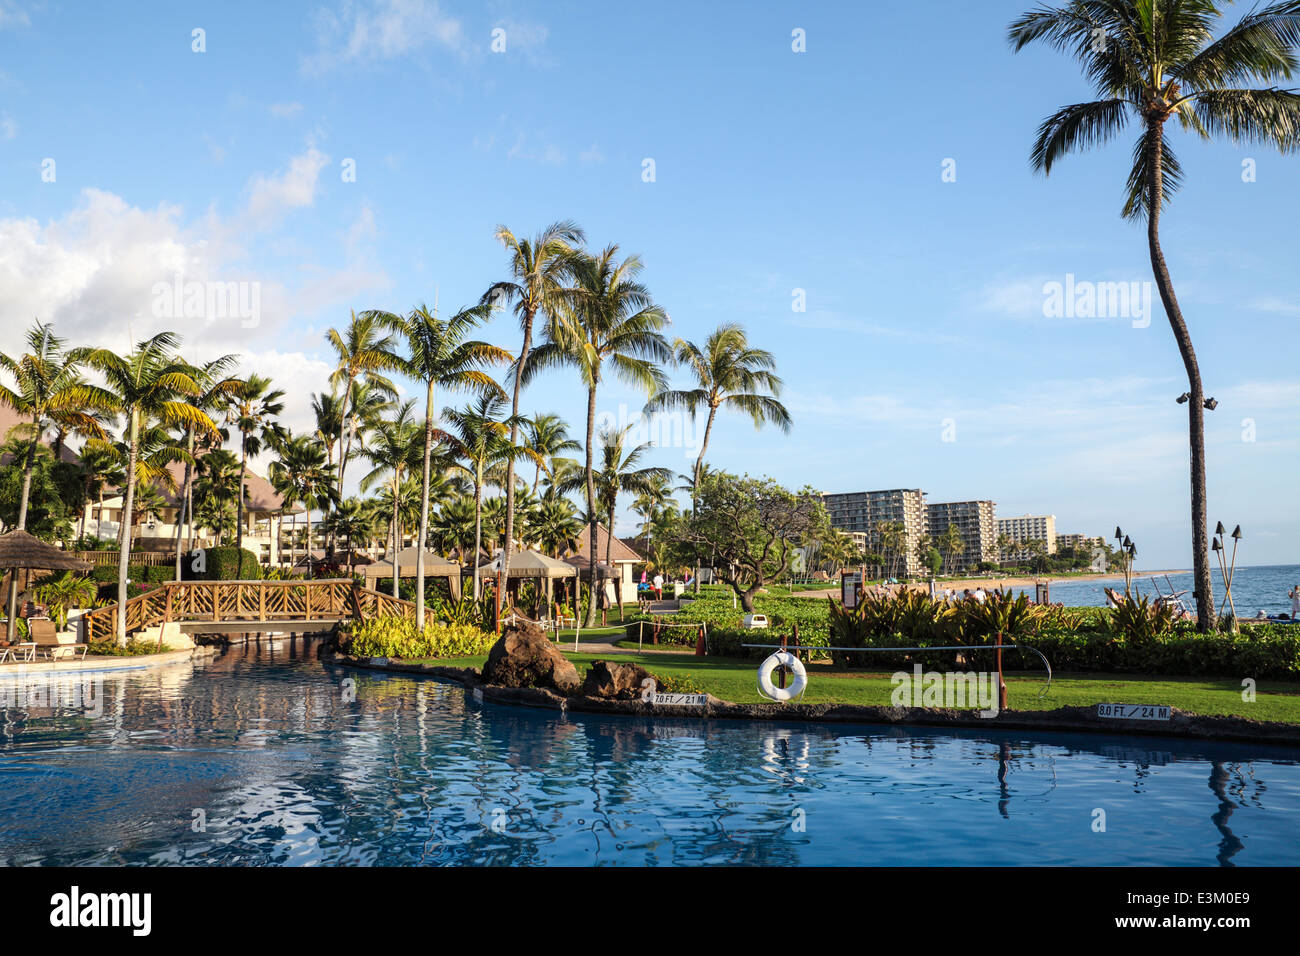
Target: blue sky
(923, 357)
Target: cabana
(530, 565)
(435, 566)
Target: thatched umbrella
(21, 551)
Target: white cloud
(294, 188)
(8, 128)
(12, 15)
(591, 155)
(285, 110)
(370, 31)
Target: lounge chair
(46, 638)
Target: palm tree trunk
(422, 537)
(609, 562)
(239, 513)
(183, 513)
(591, 505)
(504, 574)
(478, 525)
(699, 466)
(397, 531)
(21, 526)
(128, 504)
(1203, 584)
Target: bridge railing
(252, 601)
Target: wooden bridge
(211, 606)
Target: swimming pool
(261, 757)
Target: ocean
(1253, 588)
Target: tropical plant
(62, 591)
(149, 384)
(252, 408)
(1151, 61)
(609, 321)
(538, 269)
(439, 355)
(365, 353)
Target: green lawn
(736, 681)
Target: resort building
(1079, 542)
(1027, 528)
(624, 559)
(155, 529)
(863, 512)
(976, 523)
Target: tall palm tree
(619, 473)
(252, 409)
(100, 467)
(364, 350)
(557, 527)
(439, 355)
(650, 503)
(548, 437)
(729, 374)
(304, 475)
(395, 450)
(150, 384)
(539, 269)
(478, 435)
(217, 388)
(217, 486)
(609, 322)
(1150, 61)
(454, 526)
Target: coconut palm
(1150, 61)
(395, 451)
(454, 526)
(556, 527)
(365, 352)
(49, 394)
(548, 437)
(619, 473)
(477, 434)
(304, 475)
(100, 467)
(539, 269)
(439, 354)
(650, 502)
(608, 323)
(217, 388)
(217, 485)
(150, 384)
(952, 545)
(729, 374)
(252, 408)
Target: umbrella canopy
(435, 565)
(531, 564)
(18, 549)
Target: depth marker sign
(1133, 711)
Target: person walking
(659, 586)
(1295, 603)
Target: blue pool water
(259, 757)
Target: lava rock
(614, 681)
(525, 657)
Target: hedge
(224, 564)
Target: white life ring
(769, 690)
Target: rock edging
(1182, 725)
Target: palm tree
(354, 521)
(729, 374)
(1150, 60)
(609, 318)
(50, 394)
(439, 355)
(454, 526)
(217, 388)
(556, 527)
(893, 542)
(100, 467)
(619, 473)
(150, 384)
(394, 450)
(538, 270)
(252, 408)
(548, 437)
(951, 544)
(304, 475)
(217, 486)
(480, 437)
(365, 352)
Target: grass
(736, 681)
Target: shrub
(109, 647)
(398, 637)
(225, 564)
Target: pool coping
(1181, 724)
(91, 665)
